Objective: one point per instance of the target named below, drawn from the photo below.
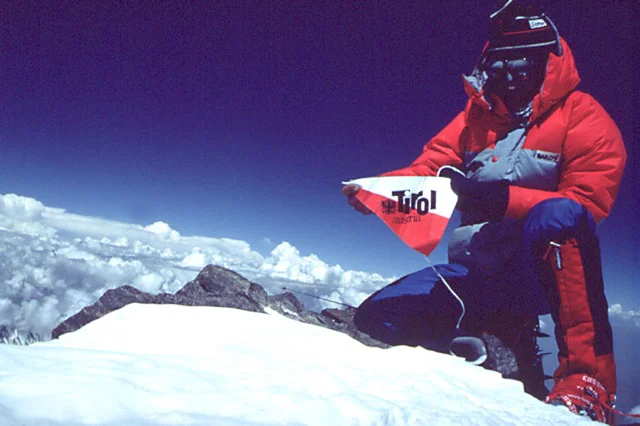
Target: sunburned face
(516, 81)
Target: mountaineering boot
(529, 357)
(515, 351)
(585, 396)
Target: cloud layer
(53, 263)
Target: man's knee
(558, 218)
(411, 309)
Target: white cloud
(267, 242)
(195, 259)
(53, 263)
(629, 420)
(23, 215)
(350, 287)
(151, 282)
(617, 311)
(22, 208)
(164, 231)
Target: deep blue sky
(239, 119)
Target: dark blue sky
(240, 119)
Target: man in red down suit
(542, 163)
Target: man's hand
(350, 191)
(483, 201)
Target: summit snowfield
(177, 365)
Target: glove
(350, 191)
(480, 201)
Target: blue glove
(479, 201)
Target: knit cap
(515, 27)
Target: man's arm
(594, 159)
(446, 148)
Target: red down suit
(568, 148)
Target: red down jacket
(572, 148)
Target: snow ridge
(225, 366)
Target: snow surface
(178, 365)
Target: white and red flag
(416, 208)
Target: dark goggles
(521, 68)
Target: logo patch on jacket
(547, 156)
(537, 23)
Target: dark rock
(286, 304)
(341, 316)
(500, 358)
(217, 286)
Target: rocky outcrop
(217, 286)
(110, 301)
(11, 336)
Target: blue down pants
(419, 310)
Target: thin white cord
(450, 290)
(429, 260)
(494, 14)
(451, 168)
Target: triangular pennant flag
(416, 208)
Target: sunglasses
(515, 68)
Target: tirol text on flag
(416, 208)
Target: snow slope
(178, 365)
